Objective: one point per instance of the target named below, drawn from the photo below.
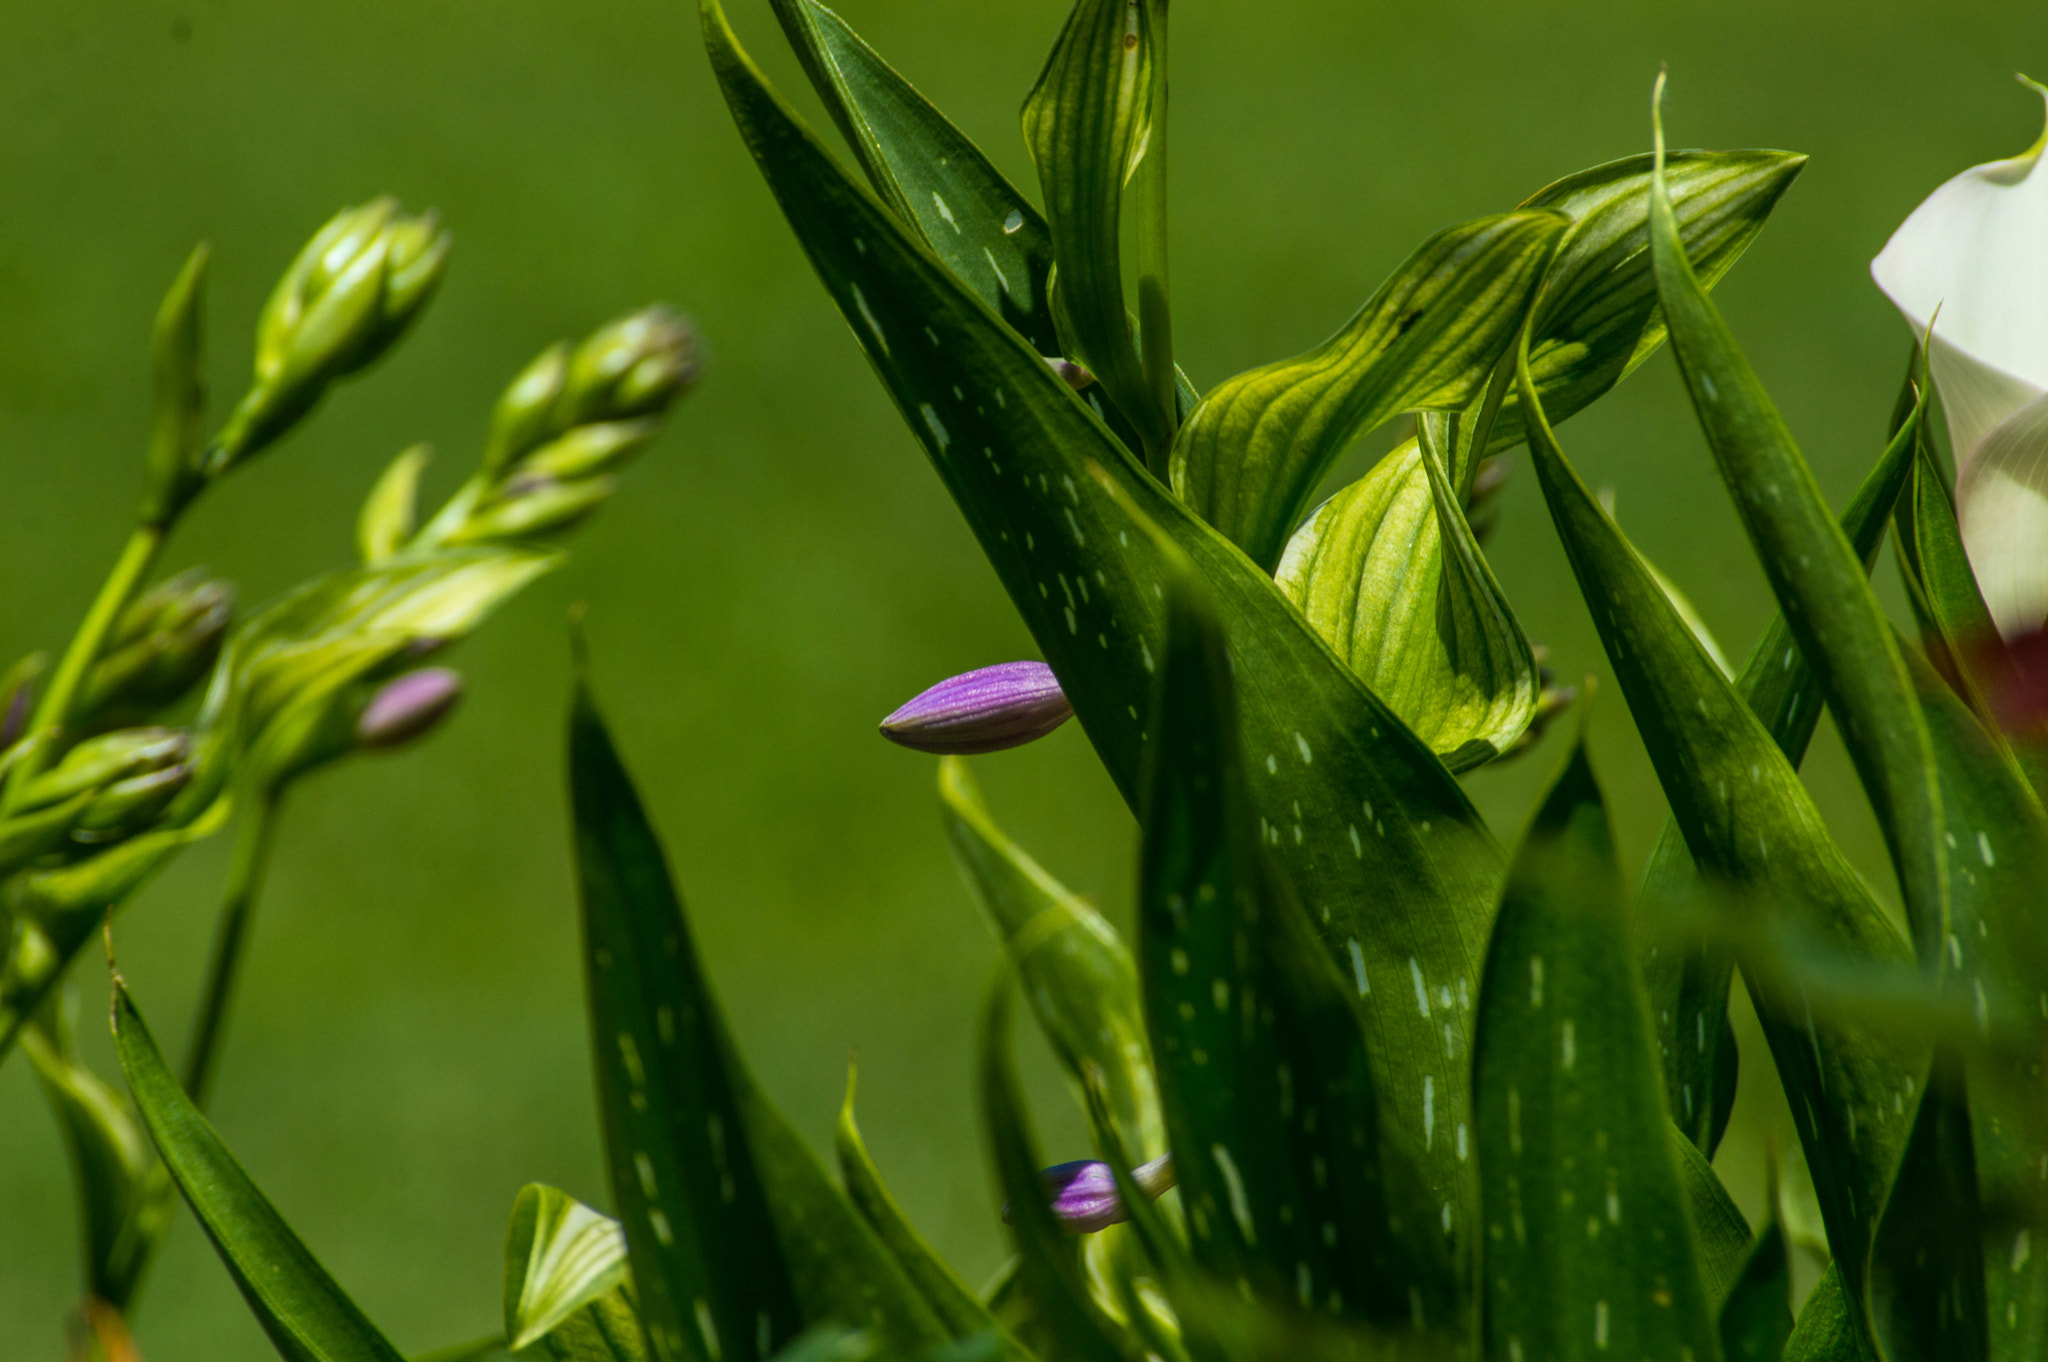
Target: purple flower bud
(405, 708)
(1084, 1192)
(1071, 374)
(988, 710)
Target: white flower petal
(1978, 250)
(2002, 504)
(1974, 396)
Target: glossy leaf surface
(307, 1315)
(1588, 1240)
(560, 1257)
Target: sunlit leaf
(1385, 851)
(1292, 1184)
(1076, 972)
(307, 1315)
(737, 1240)
(1587, 1231)
(560, 1256)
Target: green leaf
(737, 1240)
(1252, 453)
(1723, 1233)
(606, 1330)
(1688, 980)
(1828, 1329)
(1381, 844)
(1075, 970)
(1819, 580)
(308, 1317)
(952, 1302)
(1293, 1185)
(1048, 1264)
(390, 513)
(1927, 1273)
(937, 180)
(1751, 826)
(1588, 1234)
(476, 1350)
(1431, 633)
(1597, 319)
(1756, 1315)
(559, 1257)
(1085, 122)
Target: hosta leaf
(952, 1302)
(1291, 1186)
(307, 1315)
(1085, 122)
(1819, 580)
(1688, 981)
(988, 234)
(1756, 1316)
(1926, 1272)
(736, 1239)
(1077, 974)
(560, 1256)
(1588, 1237)
(1048, 1265)
(1430, 632)
(1752, 827)
(1383, 848)
(1597, 318)
(1257, 445)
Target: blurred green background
(784, 568)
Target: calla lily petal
(2002, 507)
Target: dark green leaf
(1251, 455)
(937, 180)
(1820, 582)
(1756, 1316)
(1293, 1187)
(736, 1239)
(1751, 826)
(1827, 1329)
(1588, 1235)
(306, 1314)
(606, 1330)
(1077, 974)
(1723, 1233)
(560, 1256)
(1381, 844)
(1926, 1270)
(1085, 122)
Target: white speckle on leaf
(1013, 223)
(867, 314)
(944, 211)
(1358, 959)
(1570, 1044)
(1240, 1209)
(1984, 850)
(1535, 981)
(931, 418)
(1428, 1111)
(1421, 989)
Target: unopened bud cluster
(164, 644)
(103, 790)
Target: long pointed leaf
(1385, 851)
(1588, 1235)
(1927, 1274)
(1756, 1318)
(304, 1311)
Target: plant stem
(53, 710)
(253, 840)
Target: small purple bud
(1006, 705)
(1070, 373)
(405, 708)
(1084, 1192)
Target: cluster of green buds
(558, 437)
(103, 790)
(163, 646)
(352, 292)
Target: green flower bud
(177, 436)
(531, 506)
(348, 296)
(97, 763)
(586, 451)
(525, 414)
(128, 806)
(165, 643)
(634, 366)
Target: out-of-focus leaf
(1723, 1233)
(1085, 124)
(1431, 632)
(1820, 581)
(559, 1257)
(1689, 982)
(1048, 1263)
(476, 1350)
(1750, 824)
(1597, 318)
(1926, 1271)
(1076, 972)
(1588, 1235)
(1251, 454)
(1756, 1316)
(938, 181)
(606, 1330)
(391, 512)
(952, 1302)
(737, 1241)
(1385, 851)
(308, 1317)
(1293, 1185)
(124, 1194)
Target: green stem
(53, 710)
(253, 840)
